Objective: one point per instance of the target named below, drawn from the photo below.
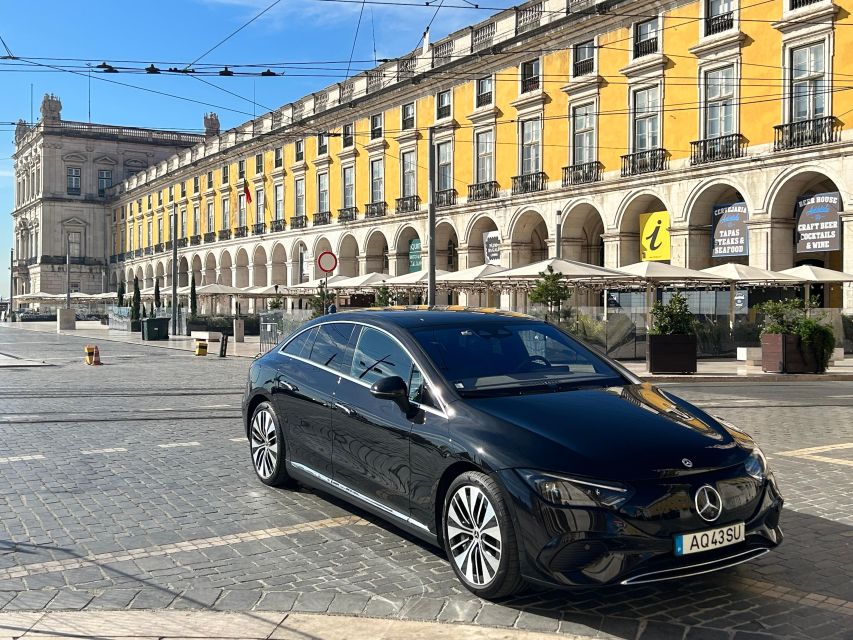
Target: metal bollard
(223, 345)
(201, 347)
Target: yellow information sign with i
(654, 236)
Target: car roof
(420, 316)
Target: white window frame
(225, 214)
(344, 186)
(414, 126)
(374, 179)
(381, 117)
(438, 97)
(591, 156)
(491, 176)
(538, 62)
(414, 173)
(211, 218)
(633, 111)
(299, 197)
(823, 32)
(196, 220)
(521, 145)
(260, 202)
(278, 194)
(241, 209)
(323, 207)
(706, 101)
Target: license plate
(686, 543)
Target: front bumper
(580, 547)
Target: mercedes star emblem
(687, 462)
(709, 503)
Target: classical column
(573, 249)
(847, 256)
(771, 244)
(621, 248)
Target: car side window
(300, 346)
(378, 356)
(331, 347)
(418, 390)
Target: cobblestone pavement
(128, 486)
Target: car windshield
(499, 357)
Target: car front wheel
(479, 537)
(266, 444)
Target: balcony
(298, 222)
(719, 24)
(347, 214)
(113, 259)
(73, 191)
(529, 84)
(209, 237)
(322, 217)
(445, 198)
(442, 112)
(224, 234)
(31, 261)
(158, 248)
(529, 183)
(182, 242)
(21, 267)
(277, 225)
(195, 240)
(484, 99)
(582, 173)
(148, 251)
(799, 4)
(168, 245)
(483, 191)
(721, 148)
(645, 47)
(137, 253)
(241, 232)
(408, 204)
(644, 162)
(806, 133)
(375, 209)
(259, 228)
(583, 67)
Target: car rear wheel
(266, 444)
(479, 537)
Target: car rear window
(331, 346)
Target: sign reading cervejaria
(817, 222)
(730, 236)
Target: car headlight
(576, 492)
(756, 465)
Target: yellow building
(558, 126)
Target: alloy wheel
(264, 442)
(474, 534)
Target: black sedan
(522, 453)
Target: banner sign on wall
(415, 260)
(817, 222)
(492, 247)
(729, 233)
(654, 236)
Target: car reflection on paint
(523, 454)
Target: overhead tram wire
(354, 40)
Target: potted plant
(672, 339)
(793, 342)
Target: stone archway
(695, 250)
(409, 251)
(183, 272)
(376, 253)
(320, 246)
(259, 267)
(197, 270)
(226, 276)
(241, 269)
(475, 241)
(149, 277)
(446, 247)
(581, 234)
(209, 275)
(279, 265)
(348, 256)
(528, 239)
(628, 241)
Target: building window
(226, 214)
(410, 186)
(719, 102)
(377, 188)
(196, 184)
(322, 144)
(225, 174)
(299, 196)
(719, 16)
(159, 198)
(159, 230)
(105, 181)
(75, 244)
(349, 187)
(279, 201)
(485, 156)
(408, 119)
(183, 224)
(529, 76)
(196, 220)
(183, 189)
(808, 83)
(299, 150)
(645, 38)
(241, 210)
(139, 236)
(241, 169)
(376, 126)
(211, 223)
(484, 91)
(149, 201)
(646, 119)
(348, 135)
(322, 192)
(583, 139)
(444, 159)
(442, 102)
(278, 158)
(210, 179)
(584, 58)
(530, 153)
(259, 206)
(73, 178)
(259, 163)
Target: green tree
(144, 312)
(673, 318)
(550, 290)
(157, 302)
(320, 302)
(135, 301)
(274, 303)
(120, 294)
(384, 296)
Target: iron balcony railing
(210, 236)
(484, 99)
(806, 133)
(529, 84)
(719, 24)
(73, 191)
(182, 242)
(408, 204)
(298, 222)
(726, 147)
(644, 162)
(442, 112)
(799, 4)
(582, 173)
(113, 259)
(277, 225)
(158, 248)
(584, 67)
(195, 240)
(259, 228)
(483, 191)
(137, 253)
(32, 260)
(645, 47)
(241, 232)
(149, 250)
(347, 214)
(529, 183)
(224, 234)
(375, 209)
(445, 198)
(322, 217)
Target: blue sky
(171, 33)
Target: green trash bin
(155, 329)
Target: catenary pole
(174, 234)
(11, 280)
(431, 221)
(67, 270)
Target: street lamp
(559, 234)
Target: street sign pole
(67, 270)
(431, 221)
(174, 234)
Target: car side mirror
(393, 388)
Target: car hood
(627, 432)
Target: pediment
(74, 221)
(105, 160)
(136, 164)
(74, 157)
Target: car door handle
(287, 386)
(342, 407)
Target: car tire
(479, 537)
(266, 446)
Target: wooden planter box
(785, 353)
(671, 354)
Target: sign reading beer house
(817, 222)
(730, 235)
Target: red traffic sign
(327, 261)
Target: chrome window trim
(360, 496)
(438, 411)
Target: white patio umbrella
(745, 274)
(314, 284)
(415, 278)
(661, 272)
(217, 289)
(570, 269)
(359, 282)
(472, 274)
(810, 274)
